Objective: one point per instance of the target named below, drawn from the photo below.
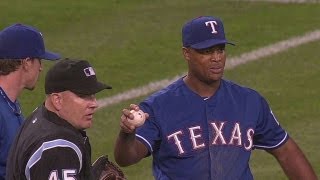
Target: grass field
(131, 43)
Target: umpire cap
(77, 76)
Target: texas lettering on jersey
(207, 135)
(219, 136)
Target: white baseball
(139, 118)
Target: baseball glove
(103, 169)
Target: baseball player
(203, 126)
(52, 143)
(21, 52)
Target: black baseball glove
(103, 169)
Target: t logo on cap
(203, 32)
(212, 23)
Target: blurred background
(131, 43)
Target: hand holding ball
(139, 118)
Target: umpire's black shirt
(48, 147)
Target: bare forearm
(298, 167)
(293, 162)
(127, 149)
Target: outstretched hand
(125, 124)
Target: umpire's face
(77, 109)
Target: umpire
(52, 143)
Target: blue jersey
(193, 137)
(10, 121)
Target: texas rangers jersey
(10, 121)
(193, 137)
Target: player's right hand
(127, 116)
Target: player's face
(206, 65)
(33, 70)
(78, 110)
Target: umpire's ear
(55, 100)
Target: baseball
(139, 118)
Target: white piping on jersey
(270, 147)
(145, 141)
(36, 156)
(274, 117)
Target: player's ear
(26, 63)
(186, 53)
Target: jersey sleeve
(56, 159)
(268, 133)
(2, 149)
(149, 133)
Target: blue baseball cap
(20, 41)
(203, 32)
